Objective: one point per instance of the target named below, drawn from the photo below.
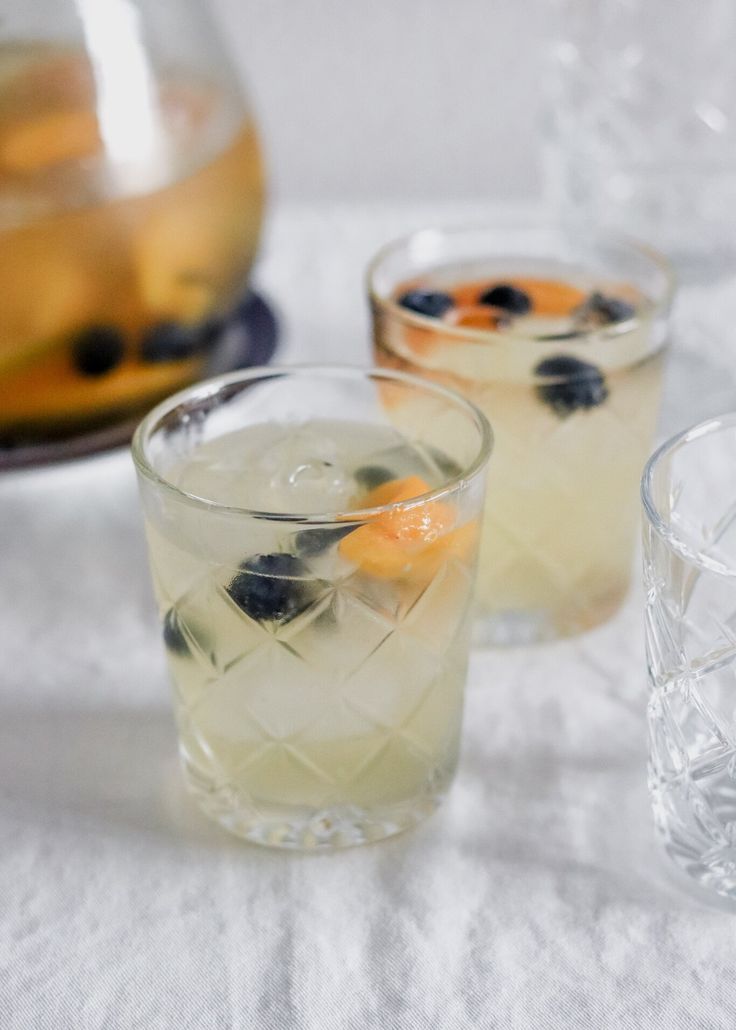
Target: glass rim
(476, 335)
(209, 388)
(663, 526)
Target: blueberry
(431, 303)
(371, 476)
(209, 333)
(599, 309)
(170, 341)
(174, 635)
(311, 542)
(508, 297)
(580, 384)
(272, 587)
(97, 350)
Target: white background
(395, 99)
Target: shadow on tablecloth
(109, 771)
(578, 822)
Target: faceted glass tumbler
(689, 500)
(561, 517)
(318, 659)
(642, 115)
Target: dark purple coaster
(249, 338)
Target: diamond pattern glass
(333, 719)
(643, 116)
(690, 580)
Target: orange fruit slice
(388, 546)
(476, 316)
(550, 296)
(466, 295)
(49, 140)
(395, 490)
(458, 543)
(54, 391)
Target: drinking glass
(561, 517)
(689, 503)
(642, 107)
(131, 194)
(312, 536)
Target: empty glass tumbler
(689, 498)
(643, 124)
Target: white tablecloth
(535, 898)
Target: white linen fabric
(535, 898)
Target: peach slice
(476, 316)
(550, 296)
(395, 490)
(54, 391)
(179, 255)
(49, 140)
(389, 545)
(458, 543)
(45, 295)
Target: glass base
(691, 817)
(710, 882)
(520, 628)
(300, 828)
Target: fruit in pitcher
(97, 350)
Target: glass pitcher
(131, 196)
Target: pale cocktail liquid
(318, 670)
(565, 367)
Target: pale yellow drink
(318, 669)
(571, 382)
